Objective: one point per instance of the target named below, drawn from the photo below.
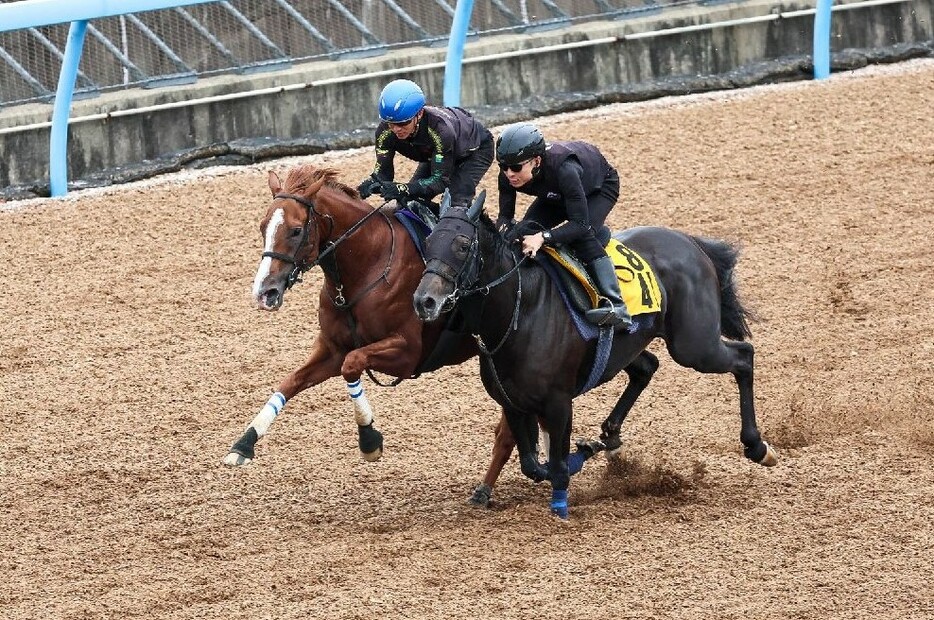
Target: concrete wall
(310, 118)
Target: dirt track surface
(132, 359)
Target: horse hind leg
(754, 447)
(722, 356)
(640, 372)
(503, 445)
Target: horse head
(452, 260)
(291, 229)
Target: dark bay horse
(534, 361)
(365, 316)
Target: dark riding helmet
(519, 143)
(400, 101)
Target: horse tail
(734, 318)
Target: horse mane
(301, 177)
(498, 240)
(500, 243)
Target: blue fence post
(822, 39)
(455, 57)
(58, 143)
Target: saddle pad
(637, 281)
(417, 228)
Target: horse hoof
(235, 459)
(612, 442)
(370, 442)
(482, 496)
(771, 457)
(560, 513)
(373, 456)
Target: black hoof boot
(370, 442)
(482, 496)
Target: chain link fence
(177, 46)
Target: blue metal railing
(27, 14)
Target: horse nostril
(428, 303)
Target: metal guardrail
(178, 42)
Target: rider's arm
(570, 176)
(441, 164)
(507, 198)
(385, 153)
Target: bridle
(463, 273)
(300, 266)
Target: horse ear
(445, 202)
(313, 189)
(274, 183)
(474, 211)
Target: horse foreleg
(397, 356)
(524, 429)
(559, 447)
(369, 440)
(321, 365)
(640, 372)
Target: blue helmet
(400, 101)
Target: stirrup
(607, 315)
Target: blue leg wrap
(559, 503)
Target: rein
(485, 290)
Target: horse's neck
(499, 305)
(362, 250)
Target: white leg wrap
(363, 413)
(268, 413)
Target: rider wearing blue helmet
(454, 150)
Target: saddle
(637, 281)
(638, 286)
(418, 219)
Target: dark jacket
(444, 137)
(569, 173)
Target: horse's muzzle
(431, 297)
(426, 307)
(270, 299)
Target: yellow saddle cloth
(637, 281)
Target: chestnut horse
(534, 361)
(365, 316)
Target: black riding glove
(395, 191)
(371, 185)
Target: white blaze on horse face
(265, 265)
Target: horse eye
(461, 245)
(295, 232)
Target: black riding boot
(612, 310)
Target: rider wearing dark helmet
(572, 183)
(453, 149)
